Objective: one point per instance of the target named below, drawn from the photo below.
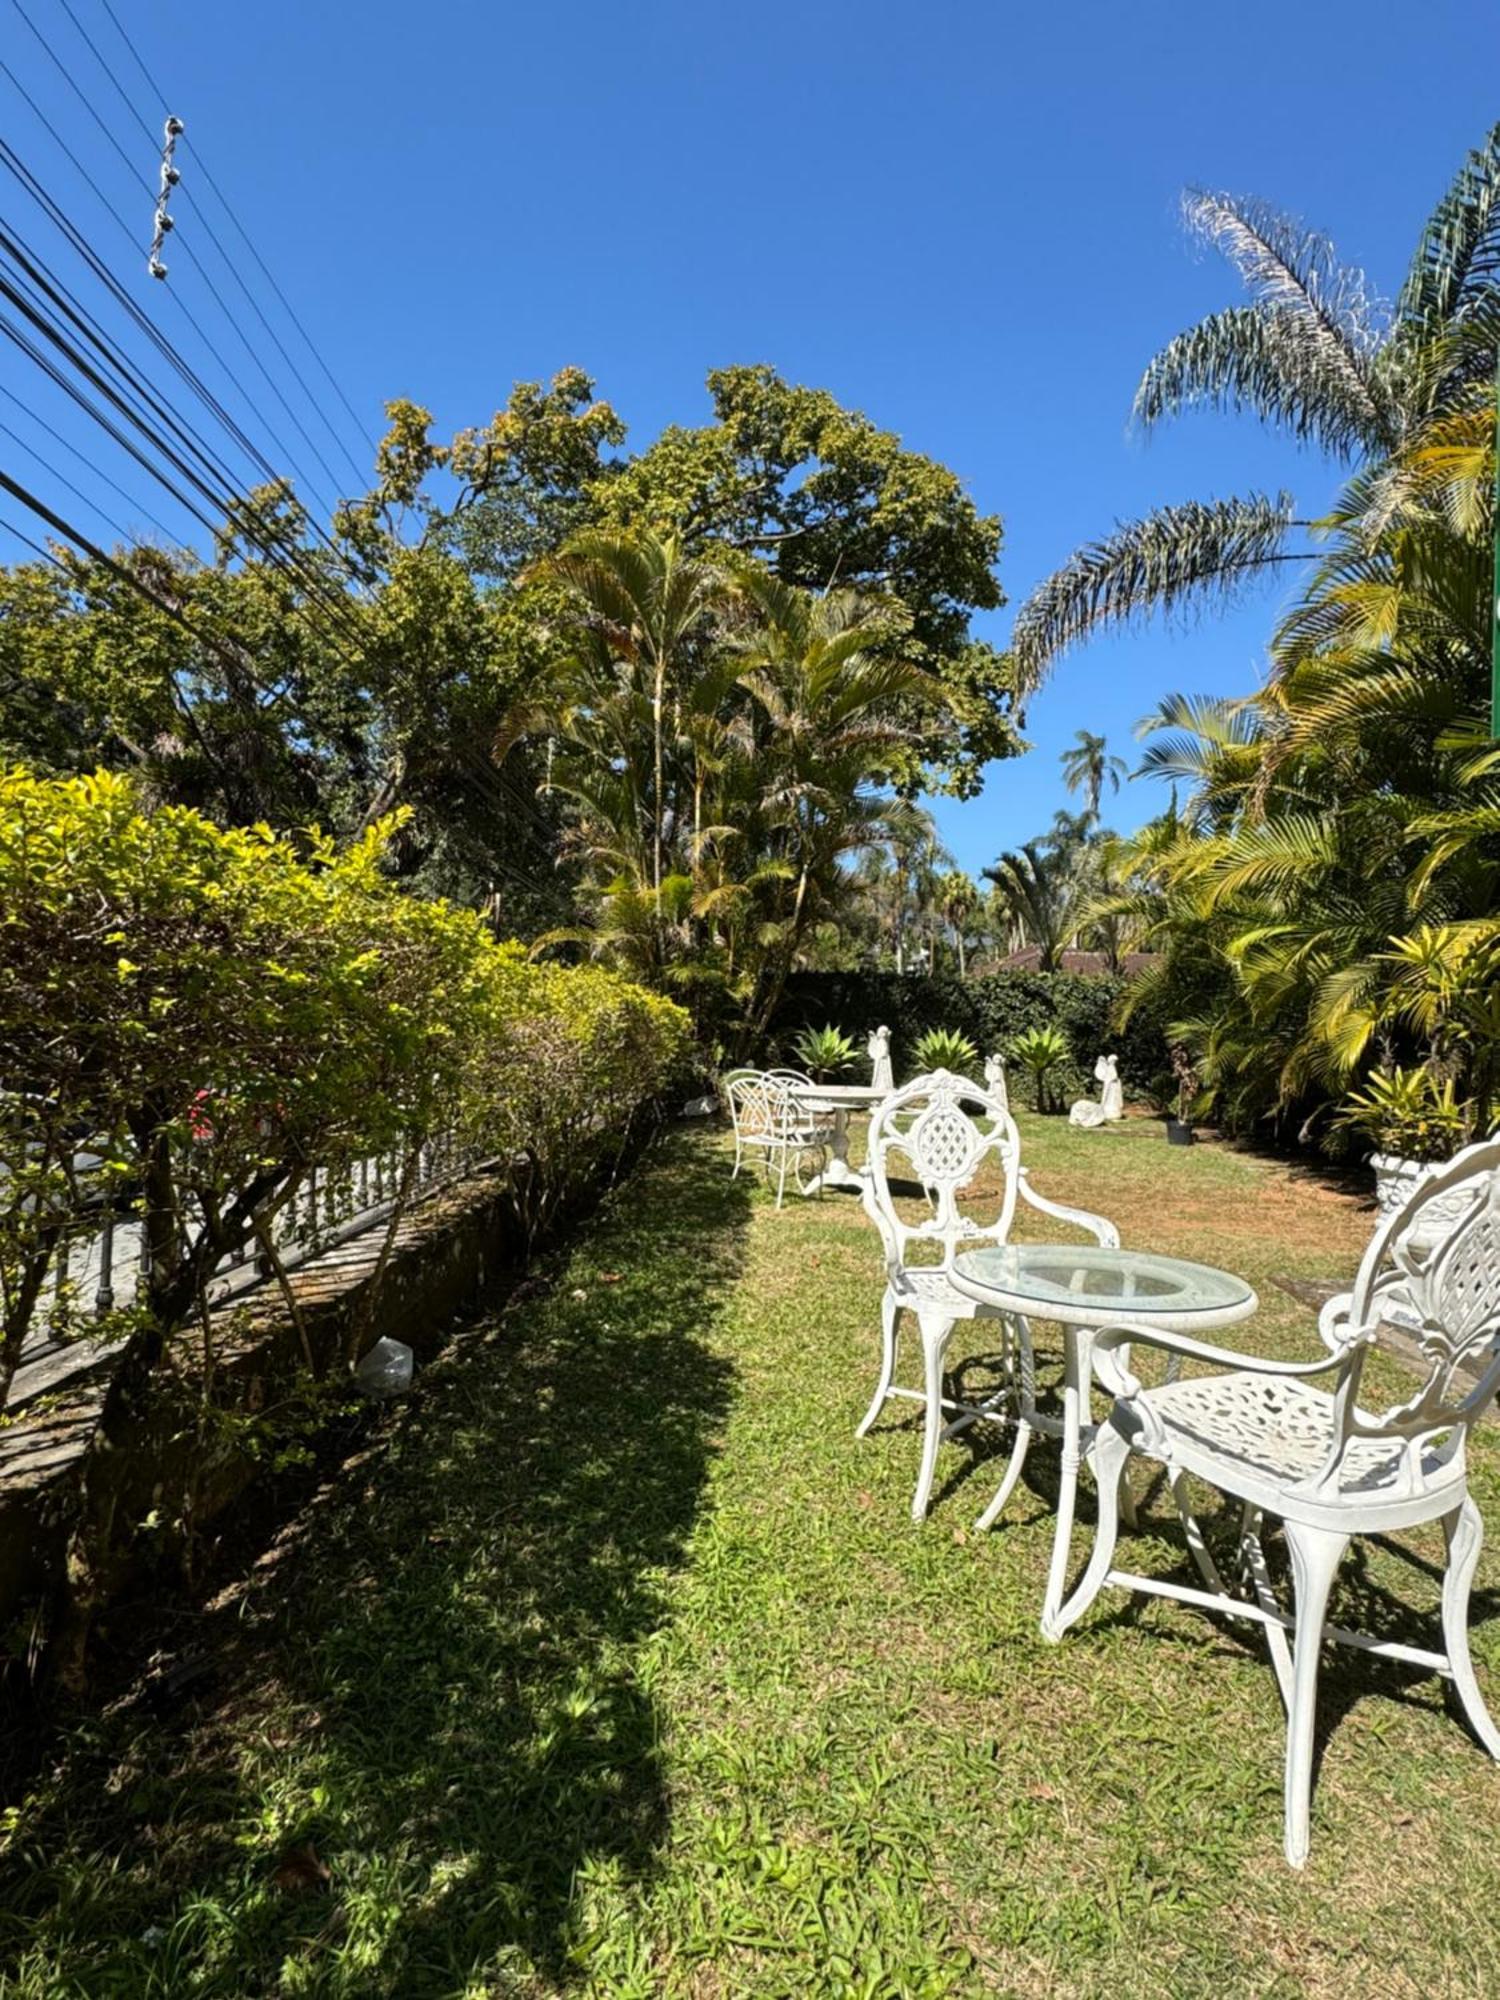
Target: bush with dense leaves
(992, 1011)
(196, 1020)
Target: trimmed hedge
(991, 1010)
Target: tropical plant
(825, 1052)
(1327, 900)
(944, 1048)
(1087, 766)
(1311, 355)
(959, 902)
(1045, 886)
(1042, 1051)
(1407, 1114)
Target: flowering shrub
(193, 1020)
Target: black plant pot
(1178, 1133)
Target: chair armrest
(1104, 1233)
(1123, 1334)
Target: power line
(66, 74)
(81, 245)
(228, 262)
(63, 480)
(297, 569)
(98, 472)
(244, 236)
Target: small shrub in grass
(825, 1053)
(944, 1048)
(1044, 1053)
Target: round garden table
(1087, 1288)
(839, 1099)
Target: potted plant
(1185, 1078)
(825, 1053)
(944, 1048)
(1042, 1051)
(1414, 1123)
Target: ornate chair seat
(1263, 1438)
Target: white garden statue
(1111, 1105)
(878, 1049)
(994, 1081)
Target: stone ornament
(1110, 1107)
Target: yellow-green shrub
(194, 1019)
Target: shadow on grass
(437, 1688)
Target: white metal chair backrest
(939, 1130)
(787, 1114)
(1433, 1266)
(746, 1094)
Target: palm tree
(958, 899)
(1311, 355)
(827, 728)
(1086, 768)
(638, 609)
(1036, 883)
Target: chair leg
(1019, 1332)
(1198, 1549)
(1111, 1456)
(781, 1182)
(935, 1331)
(890, 1321)
(737, 1151)
(1316, 1555)
(1464, 1528)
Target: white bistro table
(1087, 1288)
(839, 1099)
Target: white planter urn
(1396, 1180)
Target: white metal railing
(101, 1264)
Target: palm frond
(1177, 556)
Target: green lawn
(617, 1666)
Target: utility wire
(133, 170)
(244, 236)
(63, 480)
(83, 459)
(228, 262)
(298, 572)
(69, 230)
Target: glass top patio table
(1085, 1284)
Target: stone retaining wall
(448, 1251)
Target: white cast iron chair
(939, 1131)
(742, 1099)
(1322, 1465)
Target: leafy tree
(828, 500)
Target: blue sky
(961, 218)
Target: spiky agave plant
(1041, 1051)
(825, 1052)
(944, 1048)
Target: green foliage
(823, 496)
(945, 1048)
(1042, 1051)
(193, 1021)
(825, 1052)
(991, 1009)
(1328, 900)
(1407, 1113)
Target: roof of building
(1087, 964)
